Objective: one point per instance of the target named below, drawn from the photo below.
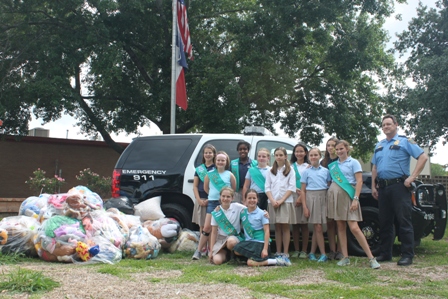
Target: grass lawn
(426, 278)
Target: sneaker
(339, 256)
(277, 254)
(374, 264)
(196, 255)
(204, 251)
(283, 261)
(295, 253)
(287, 261)
(344, 262)
(285, 255)
(322, 259)
(331, 255)
(302, 255)
(312, 257)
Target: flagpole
(173, 70)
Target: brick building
(64, 157)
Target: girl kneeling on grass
(256, 233)
(226, 227)
(214, 181)
(343, 200)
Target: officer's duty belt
(384, 183)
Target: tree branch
(91, 115)
(139, 65)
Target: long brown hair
(327, 158)
(287, 164)
(209, 146)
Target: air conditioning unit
(39, 132)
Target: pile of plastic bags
(74, 227)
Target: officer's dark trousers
(395, 203)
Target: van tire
(178, 212)
(370, 226)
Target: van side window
(158, 153)
(271, 146)
(229, 146)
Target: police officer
(391, 186)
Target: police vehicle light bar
(256, 130)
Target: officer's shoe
(383, 258)
(404, 261)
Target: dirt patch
(84, 282)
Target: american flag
(182, 23)
(181, 89)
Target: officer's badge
(396, 142)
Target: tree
(438, 170)
(312, 66)
(425, 102)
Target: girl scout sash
(298, 177)
(254, 234)
(339, 178)
(225, 224)
(234, 166)
(201, 170)
(257, 177)
(216, 179)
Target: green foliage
(426, 278)
(39, 183)
(8, 259)
(26, 281)
(95, 183)
(425, 102)
(312, 66)
(438, 170)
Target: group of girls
(297, 192)
(221, 227)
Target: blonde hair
(263, 149)
(227, 158)
(314, 149)
(227, 188)
(346, 145)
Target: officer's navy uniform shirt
(392, 158)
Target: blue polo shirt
(392, 158)
(348, 168)
(316, 178)
(256, 220)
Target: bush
(92, 180)
(41, 184)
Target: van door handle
(190, 181)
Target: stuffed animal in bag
(166, 230)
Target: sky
(65, 127)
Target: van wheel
(178, 212)
(370, 227)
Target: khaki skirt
(220, 243)
(199, 214)
(285, 213)
(339, 205)
(316, 201)
(300, 218)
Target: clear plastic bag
(18, 234)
